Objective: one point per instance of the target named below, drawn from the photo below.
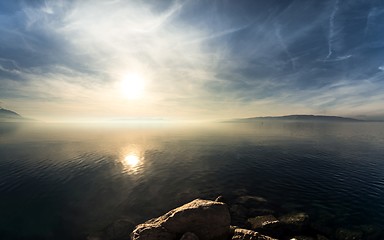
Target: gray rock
(263, 222)
(209, 220)
(245, 234)
(295, 222)
(294, 218)
(267, 225)
(189, 236)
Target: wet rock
(263, 222)
(209, 220)
(232, 230)
(120, 229)
(302, 238)
(220, 199)
(251, 201)
(245, 234)
(294, 223)
(348, 234)
(371, 232)
(189, 236)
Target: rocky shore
(244, 218)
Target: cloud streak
(331, 34)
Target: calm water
(63, 181)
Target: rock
(220, 199)
(294, 223)
(267, 224)
(294, 218)
(371, 232)
(263, 222)
(189, 236)
(244, 234)
(251, 201)
(151, 232)
(232, 230)
(120, 229)
(347, 234)
(209, 220)
(302, 238)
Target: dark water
(64, 182)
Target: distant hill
(300, 118)
(11, 116)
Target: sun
(132, 86)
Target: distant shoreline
(306, 118)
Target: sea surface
(66, 181)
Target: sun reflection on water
(132, 160)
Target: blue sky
(63, 60)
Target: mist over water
(62, 181)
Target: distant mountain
(11, 116)
(300, 118)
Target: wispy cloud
(332, 33)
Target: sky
(192, 59)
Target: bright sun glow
(131, 160)
(132, 86)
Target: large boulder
(208, 220)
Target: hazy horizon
(191, 60)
